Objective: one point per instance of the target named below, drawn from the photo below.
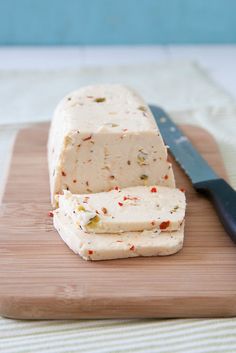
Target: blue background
(85, 22)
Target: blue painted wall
(85, 22)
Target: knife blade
(202, 176)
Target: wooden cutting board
(40, 278)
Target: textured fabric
(113, 336)
(187, 92)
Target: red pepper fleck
(153, 223)
(90, 252)
(132, 248)
(166, 177)
(74, 181)
(50, 214)
(153, 189)
(164, 225)
(119, 241)
(130, 198)
(125, 129)
(87, 138)
(120, 203)
(182, 189)
(116, 188)
(63, 173)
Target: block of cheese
(92, 246)
(134, 208)
(105, 136)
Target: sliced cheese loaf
(116, 246)
(122, 210)
(105, 136)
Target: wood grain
(40, 278)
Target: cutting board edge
(100, 308)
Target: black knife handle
(223, 197)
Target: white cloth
(185, 91)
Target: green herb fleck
(174, 209)
(144, 177)
(100, 100)
(142, 108)
(93, 221)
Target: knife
(202, 176)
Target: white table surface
(219, 60)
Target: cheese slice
(130, 209)
(116, 246)
(105, 136)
